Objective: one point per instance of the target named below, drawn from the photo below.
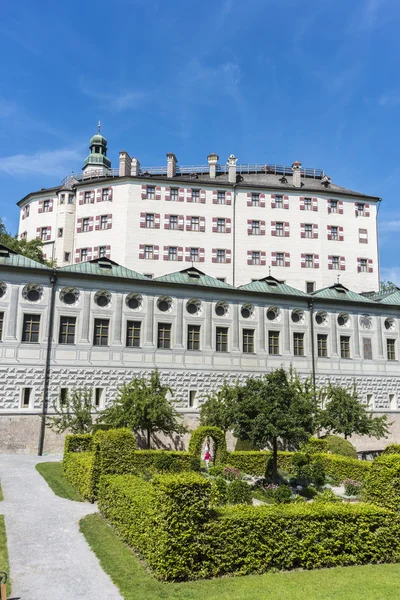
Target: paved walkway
(49, 557)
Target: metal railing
(244, 169)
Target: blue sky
(269, 80)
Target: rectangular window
(367, 348)
(30, 328)
(87, 198)
(298, 344)
(279, 229)
(67, 256)
(363, 265)
(84, 254)
(334, 206)
(63, 396)
(280, 259)
(43, 234)
(322, 343)
(194, 254)
(164, 336)
(335, 262)
(192, 398)
(85, 224)
(46, 206)
(255, 199)
(391, 349)
(248, 341)
(221, 197)
(133, 334)
(363, 236)
(273, 342)
(278, 201)
(151, 192)
(149, 252)
(173, 221)
(70, 199)
(221, 339)
(101, 329)
(309, 260)
(360, 209)
(195, 195)
(334, 233)
(193, 337)
(98, 397)
(221, 256)
(255, 227)
(105, 194)
(174, 194)
(307, 204)
(103, 221)
(1, 325)
(102, 251)
(149, 221)
(172, 253)
(194, 224)
(345, 346)
(62, 198)
(221, 225)
(60, 232)
(308, 233)
(255, 258)
(67, 330)
(26, 397)
(310, 287)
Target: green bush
(283, 494)
(231, 473)
(216, 471)
(314, 445)
(78, 469)
(202, 433)
(78, 442)
(218, 492)
(338, 445)
(392, 449)
(326, 496)
(382, 486)
(340, 468)
(239, 492)
(352, 487)
(153, 461)
(245, 446)
(251, 463)
(115, 450)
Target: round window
(321, 318)
(32, 292)
(33, 295)
(3, 289)
(390, 324)
(69, 295)
(102, 301)
(365, 322)
(193, 306)
(164, 304)
(247, 311)
(102, 298)
(134, 301)
(298, 316)
(343, 320)
(222, 309)
(273, 313)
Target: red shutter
(286, 229)
(51, 205)
(110, 193)
(166, 253)
(315, 230)
(228, 198)
(180, 253)
(97, 224)
(273, 228)
(273, 203)
(201, 254)
(157, 221)
(228, 227)
(249, 200)
(89, 254)
(228, 254)
(202, 224)
(189, 195)
(90, 223)
(40, 210)
(263, 260)
(287, 259)
(316, 261)
(181, 219)
(315, 204)
(187, 255)
(91, 196)
(286, 202)
(99, 195)
(340, 207)
(249, 228)
(79, 226)
(202, 196)
(273, 259)
(214, 255)
(188, 223)
(262, 200)
(156, 252)
(358, 265)
(262, 227)
(329, 206)
(109, 221)
(342, 263)
(302, 230)
(356, 208)
(158, 192)
(215, 197)
(141, 251)
(370, 266)
(142, 220)
(329, 232)
(108, 251)
(144, 192)
(166, 222)
(366, 210)
(38, 236)
(302, 207)
(341, 236)
(95, 252)
(214, 225)
(303, 260)
(181, 194)
(77, 255)
(330, 266)
(167, 196)
(249, 255)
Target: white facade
(236, 224)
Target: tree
(31, 249)
(345, 414)
(275, 407)
(74, 413)
(143, 405)
(216, 411)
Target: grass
(53, 474)
(1, 493)
(370, 582)
(4, 564)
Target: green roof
(270, 285)
(111, 269)
(193, 276)
(9, 258)
(393, 298)
(339, 292)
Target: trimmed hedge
(382, 486)
(79, 470)
(392, 449)
(153, 461)
(115, 451)
(170, 523)
(78, 443)
(338, 445)
(216, 434)
(340, 468)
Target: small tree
(275, 407)
(31, 249)
(345, 414)
(143, 405)
(216, 411)
(74, 414)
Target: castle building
(234, 222)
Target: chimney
(135, 167)
(213, 161)
(124, 164)
(232, 160)
(296, 169)
(171, 164)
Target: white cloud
(388, 226)
(53, 163)
(124, 100)
(389, 100)
(391, 274)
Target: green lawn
(4, 564)
(53, 474)
(1, 493)
(371, 582)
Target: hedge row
(78, 443)
(382, 486)
(337, 467)
(78, 469)
(154, 461)
(170, 523)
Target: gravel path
(49, 557)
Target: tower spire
(98, 127)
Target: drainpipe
(234, 236)
(311, 309)
(53, 279)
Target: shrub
(309, 468)
(338, 445)
(382, 486)
(318, 471)
(314, 445)
(153, 461)
(352, 487)
(340, 468)
(392, 449)
(79, 470)
(216, 434)
(216, 471)
(245, 446)
(326, 496)
(115, 450)
(164, 463)
(80, 442)
(239, 492)
(218, 492)
(283, 494)
(231, 473)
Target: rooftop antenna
(98, 127)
